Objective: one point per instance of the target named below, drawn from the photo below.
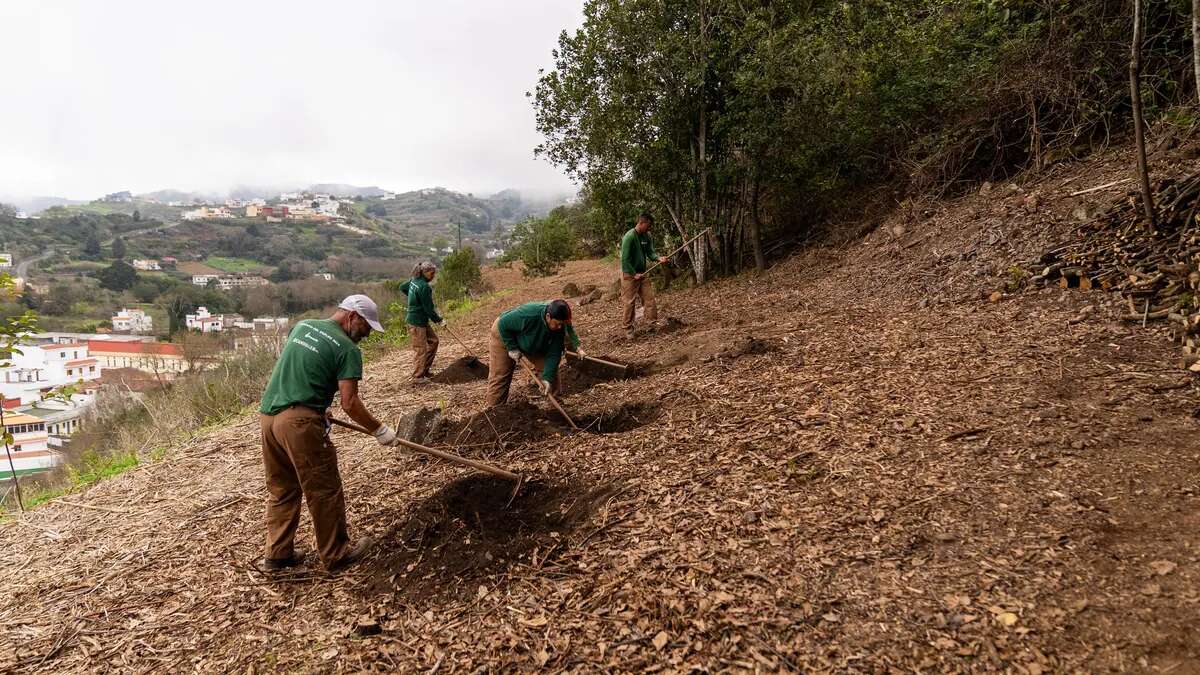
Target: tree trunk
(1196, 43)
(1139, 123)
(760, 261)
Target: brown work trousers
(501, 367)
(300, 459)
(631, 290)
(424, 344)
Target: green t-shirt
(317, 354)
(524, 328)
(636, 251)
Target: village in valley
(52, 385)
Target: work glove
(385, 435)
(580, 352)
(544, 385)
(441, 323)
(514, 354)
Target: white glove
(385, 435)
(545, 386)
(514, 354)
(441, 324)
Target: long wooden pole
(462, 461)
(464, 345)
(611, 364)
(549, 395)
(702, 233)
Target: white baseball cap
(364, 307)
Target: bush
(542, 244)
(458, 276)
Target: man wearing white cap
(321, 358)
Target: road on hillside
(22, 269)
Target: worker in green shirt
(537, 331)
(421, 314)
(320, 358)
(636, 252)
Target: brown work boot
(356, 553)
(277, 564)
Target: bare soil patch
(581, 374)
(470, 529)
(462, 370)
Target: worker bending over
(537, 331)
(321, 358)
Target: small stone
(996, 296)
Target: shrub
(542, 244)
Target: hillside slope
(855, 461)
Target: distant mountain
(38, 204)
(177, 196)
(438, 211)
(343, 190)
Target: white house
(39, 369)
(271, 323)
(62, 417)
(132, 321)
(204, 321)
(6, 261)
(30, 448)
(146, 265)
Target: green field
(234, 265)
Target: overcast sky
(148, 94)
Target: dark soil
(469, 529)
(579, 375)
(416, 425)
(746, 346)
(627, 417)
(513, 421)
(461, 371)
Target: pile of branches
(1156, 268)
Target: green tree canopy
(119, 276)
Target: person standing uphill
(538, 331)
(636, 251)
(320, 358)
(420, 314)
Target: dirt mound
(579, 375)
(523, 420)
(470, 529)
(462, 370)
(746, 346)
(627, 417)
(416, 425)
(513, 421)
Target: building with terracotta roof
(163, 358)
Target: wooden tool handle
(622, 366)
(464, 345)
(683, 246)
(462, 461)
(549, 395)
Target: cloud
(142, 95)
